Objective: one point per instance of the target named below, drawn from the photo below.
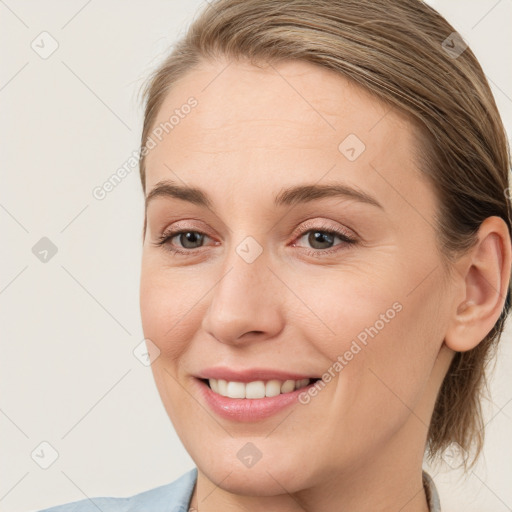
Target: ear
(484, 275)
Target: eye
(321, 239)
(187, 237)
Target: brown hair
(399, 50)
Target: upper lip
(250, 374)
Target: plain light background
(69, 325)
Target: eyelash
(317, 253)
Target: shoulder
(172, 497)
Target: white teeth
(287, 386)
(301, 383)
(272, 388)
(255, 389)
(222, 386)
(235, 390)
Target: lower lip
(248, 409)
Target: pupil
(320, 237)
(189, 237)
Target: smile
(256, 389)
(252, 400)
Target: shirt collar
(434, 504)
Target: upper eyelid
(323, 225)
(313, 204)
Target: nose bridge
(243, 300)
(246, 263)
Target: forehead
(283, 123)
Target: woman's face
(292, 162)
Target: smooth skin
(358, 445)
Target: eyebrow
(287, 197)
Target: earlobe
(484, 275)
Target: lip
(247, 409)
(249, 375)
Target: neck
(385, 482)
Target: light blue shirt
(173, 497)
(176, 496)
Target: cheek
(167, 308)
(166, 304)
(343, 309)
(395, 371)
(382, 342)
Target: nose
(245, 303)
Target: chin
(252, 482)
(269, 476)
